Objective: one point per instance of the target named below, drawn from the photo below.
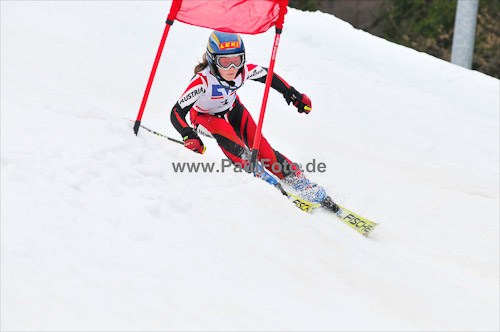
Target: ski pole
(157, 133)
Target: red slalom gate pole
(258, 133)
(137, 124)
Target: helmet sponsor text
(226, 45)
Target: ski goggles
(227, 61)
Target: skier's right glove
(192, 141)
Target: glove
(301, 101)
(303, 105)
(192, 141)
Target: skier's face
(228, 74)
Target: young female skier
(213, 104)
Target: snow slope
(99, 233)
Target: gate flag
(235, 16)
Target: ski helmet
(225, 50)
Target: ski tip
(371, 230)
(360, 224)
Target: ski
(299, 202)
(360, 224)
(303, 204)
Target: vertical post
(269, 79)
(137, 124)
(462, 50)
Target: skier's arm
(191, 139)
(291, 95)
(178, 114)
(178, 117)
(196, 88)
(259, 74)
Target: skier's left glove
(299, 100)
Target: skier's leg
(278, 164)
(232, 146)
(245, 128)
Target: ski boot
(310, 191)
(329, 204)
(307, 190)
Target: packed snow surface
(99, 233)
